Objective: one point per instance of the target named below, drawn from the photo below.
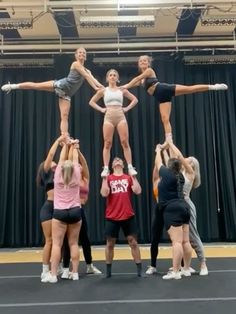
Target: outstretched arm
(98, 84)
(89, 78)
(132, 98)
(52, 152)
(137, 80)
(93, 101)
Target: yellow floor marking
(121, 253)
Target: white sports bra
(113, 98)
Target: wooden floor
(121, 253)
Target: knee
(124, 143)
(165, 118)
(48, 241)
(133, 243)
(64, 114)
(107, 144)
(110, 245)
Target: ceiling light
(210, 59)
(27, 63)
(218, 20)
(117, 21)
(9, 23)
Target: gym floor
(22, 291)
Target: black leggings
(84, 241)
(157, 230)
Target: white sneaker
(105, 172)
(8, 87)
(74, 276)
(91, 269)
(49, 278)
(131, 170)
(172, 275)
(44, 276)
(203, 271)
(65, 273)
(192, 270)
(151, 270)
(219, 87)
(185, 272)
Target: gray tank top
(71, 83)
(187, 186)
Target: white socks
(218, 87)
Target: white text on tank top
(113, 97)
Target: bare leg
(123, 132)
(176, 236)
(47, 232)
(191, 89)
(73, 239)
(44, 86)
(165, 111)
(108, 131)
(58, 232)
(135, 251)
(109, 250)
(64, 106)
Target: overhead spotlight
(218, 20)
(27, 63)
(117, 21)
(209, 59)
(8, 23)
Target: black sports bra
(150, 81)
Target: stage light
(218, 20)
(209, 59)
(117, 21)
(8, 23)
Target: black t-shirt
(169, 187)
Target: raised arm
(105, 190)
(84, 165)
(93, 101)
(136, 187)
(98, 84)
(64, 153)
(132, 98)
(158, 159)
(137, 80)
(177, 154)
(52, 152)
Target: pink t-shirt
(66, 197)
(119, 205)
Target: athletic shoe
(192, 270)
(185, 272)
(65, 273)
(74, 276)
(172, 275)
(151, 270)
(8, 87)
(218, 87)
(91, 269)
(44, 276)
(203, 271)
(49, 278)
(131, 170)
(105, 172)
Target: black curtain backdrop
(204, 125)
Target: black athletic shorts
(68, 216)
(176, 213)
(164, 92)
(128, 226)
(46, 212)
